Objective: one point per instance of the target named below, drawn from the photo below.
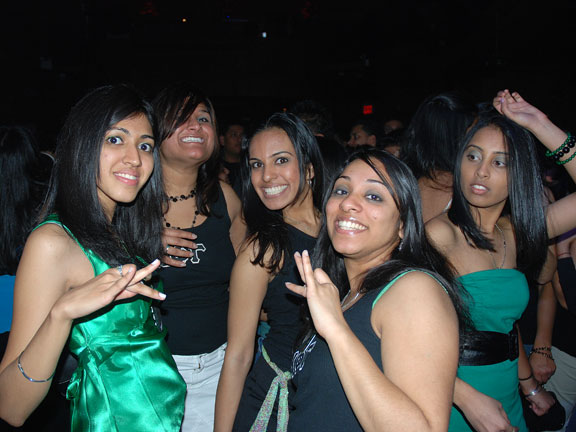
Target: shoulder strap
(389, 284)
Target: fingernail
(129, 269)
(305, 253)
(297, 254)
(182, 264)
(162, 295)
(156, 261)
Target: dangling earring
(309, 182)
(400, 245)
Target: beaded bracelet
(564, 147)
(30, 378)
(542, 348)
(565, 161)
(542, 353)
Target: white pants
(201, 373)
(563, 382)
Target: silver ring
(167, 247)
(119, 268)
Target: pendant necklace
(345, 305)
(503, 247)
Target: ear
(372, 140)
(309, 172)
(401, 230)
(221, 140)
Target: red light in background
(367, 109)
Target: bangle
(526, 379)
(29, 378)
(564, 147)
(534, 392)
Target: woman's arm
(544, 367)
(559, 216)
(484, 413)
(248, 286)
(238, 227)
(44, 309)
(418, 328)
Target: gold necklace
(503, 247)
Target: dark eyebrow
(126, 131)
(147, 137)
(367, 180)
(282, 152)
(482, 150)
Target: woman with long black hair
(282, 199)
(384, 307)
(495, 236)
(81, 272)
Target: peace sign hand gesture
(322, 295)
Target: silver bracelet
(29, 378)
(534, 392)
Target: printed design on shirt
(299, 357)
(194, 259)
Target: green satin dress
(126, 379)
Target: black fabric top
(567, 276)
(283, 306)
(320, 403)
(196, 307)
(565, 321)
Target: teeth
(191, 139)
(349, 225)
(274, 190)
(127, 176)
(479, 187)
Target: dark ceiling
(345, 54)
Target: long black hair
(525, 204)
(414, 252)
(19, 194)
(433, 135)
(267, 227)
(136, 228)
(173, 106)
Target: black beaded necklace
(192, 194)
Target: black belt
(486, 347)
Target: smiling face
(274, 169)
(126, 162)
(193, 140)
(362, 219)
(484, 169)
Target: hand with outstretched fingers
(322, 295)
(116, 283)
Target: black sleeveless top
(320, 403)
(283, 306)
(565, 320)
(196, 307)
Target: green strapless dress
(126, 378)
(499, 298)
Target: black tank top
(283, 306)
(196, 308)
(320, 403)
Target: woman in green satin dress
(81, 278)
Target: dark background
(345, 54)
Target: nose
(132, 155)
(268, 173)
(192, 123)
(350, 203)
(483, 169)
